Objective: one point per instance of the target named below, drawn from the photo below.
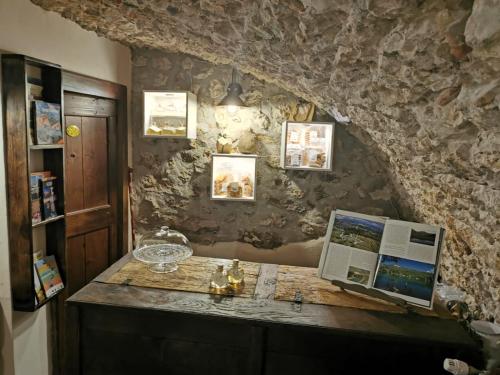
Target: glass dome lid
(162, 249)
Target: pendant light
(232, 100)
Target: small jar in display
(236, 274)
(219, 278)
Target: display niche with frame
(233, 177)
(169, 114)
(307, 145)
(32, 98)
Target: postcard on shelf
(40, 295)
(49, 197)
(36, 211)
(398, 258)
(170, 114)
(47, 123)
(49, 275)
(233, 177)
(307, 145)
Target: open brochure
(398, 258)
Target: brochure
(49, 276)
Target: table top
(264, 310)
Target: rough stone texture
(420, 81)
(172, 177)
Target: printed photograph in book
(423, 237)
(404, 276)
(233, 177)
(357, 232)
(358, 275)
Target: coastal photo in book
(409, 258)
(398, 258)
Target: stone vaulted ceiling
(420, 81)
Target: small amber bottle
(235, 275)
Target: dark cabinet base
(130, 341)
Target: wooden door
(91, 194)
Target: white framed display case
(169, 114)
(233, 177)
(307, 145)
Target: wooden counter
(124, 329)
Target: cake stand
(163, 249)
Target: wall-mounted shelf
(47, 300)
(46, 147)
(48, 221)
(26, 79)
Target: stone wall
(418, 79)
(172, 177)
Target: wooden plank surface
(313, 289)
(193, 275)
(81, 84)
(96, 253)
(95, 161)
(88, 106)
(266, 283)
(74, 168)
(75, 273)
(18, 192)
(262, 312)
(84, 221)
(291, 279)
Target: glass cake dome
(162, 249)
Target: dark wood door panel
(88, 255)
(88, 106)
(74, 168)
(95, 161)
(76, 264)
(84, 221)
(96, 253)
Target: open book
(398, 258)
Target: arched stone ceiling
(420, 81)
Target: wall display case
(233, 177)
(307, 145)
(169, 114)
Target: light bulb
(232, 108)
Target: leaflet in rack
(398, 258)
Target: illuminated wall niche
(169, 114)
(307, 145)
(233, 177)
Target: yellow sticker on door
(72, 131)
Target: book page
(351, 247)
(408, 262)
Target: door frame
(85, 85)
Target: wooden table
(123, 329)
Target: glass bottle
(235, 274)
(219, 278)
